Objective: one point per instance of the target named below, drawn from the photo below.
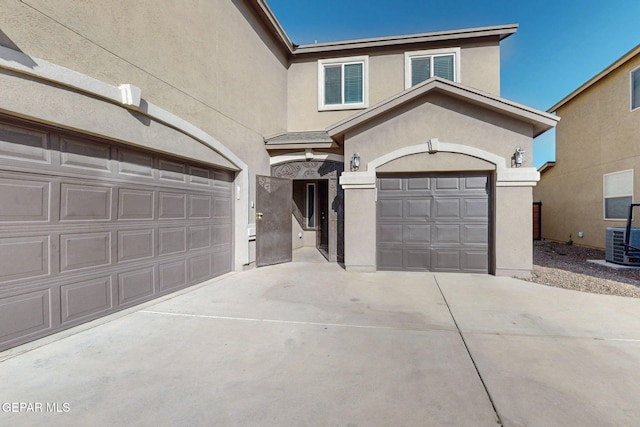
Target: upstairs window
(635, 89)
(422, 65)
(343, 83)
(618, 194)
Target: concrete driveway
(308, 344)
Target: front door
(273, 220)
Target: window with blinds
(618, 194)
(342, 83)
(421, 66)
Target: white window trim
(637, 69)
(604, 196)
(365, 83)
(408, 56)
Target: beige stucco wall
(447, 119)
(212, 64)
(456, 124)
(479, 68)
(597, 135)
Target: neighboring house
(595, 175)
(144, 149)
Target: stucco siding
(479, 63)
(444, 118)
(598, 135)
(230, 82)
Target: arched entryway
(317, 202)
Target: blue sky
(559, 45)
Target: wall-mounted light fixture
(518, 157)
(355, 162)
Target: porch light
(355, 162)
(518, 157)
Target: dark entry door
(273, 220)
(322, 230)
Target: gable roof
(601, 75)
(540, 120)
(261, 6)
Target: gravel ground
(566, 266)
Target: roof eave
(274, 25)
(617, 64)
(500, 31)
(540, 120)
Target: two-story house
(593, 180)
(144, 149)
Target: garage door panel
(24, 315)
(476, 234)
(447, 233)
(85, 155)
(390, 209)
(172, 206)
(83, 250)
(24, 257)
(199, 206)
(417, 233)
(172, 240)
(391, 258)
(199, 176)
(173, 274)
(417, 209)
(391, 185)
(476, 183)
(446, 259)
(22, 200)
(476, 208)
(85, 202)
(221, 262)
(199, 237)
(390, 233)
(418, 183)
(135, 285)
(200, 267)
(221, 209)
(417, 259)
(444, 220)
(221, 235)
(475, 261)
(447, 208)
(133, 163)
(172, 171)
(446, 183)
(135, 204)
(135, 245)
(85, 299)
(25, 145)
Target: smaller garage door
(433, 222)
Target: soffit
(541, 121)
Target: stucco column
(514, 218)
(359, 221)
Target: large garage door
(433, 222)
(88, 227)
